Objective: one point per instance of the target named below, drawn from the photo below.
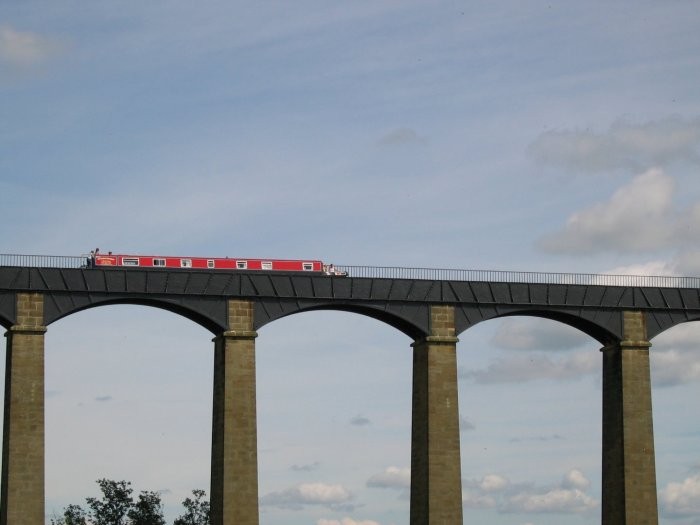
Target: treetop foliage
(118, 507)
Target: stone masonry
(629, 472)
(234, 462)
(22, 498)
(436, 484)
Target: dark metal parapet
(429, 274)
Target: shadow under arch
(598, 331)
(658, 329)
(7, 309)
(201, 318)
(403, 324)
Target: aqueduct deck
(431, 306)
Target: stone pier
(628, 470)
(436, 483)
(22, 496)
(234, 459)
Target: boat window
(186, 263)
(130, 261)
(158, 262)
(267, 265)
(241, 265)
(308, 267)
(210, 263)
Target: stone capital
(237, 335)
(436, 340)
(27, 329)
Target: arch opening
(334, 418)
(198, 317)
(128, 397)
(675, 376)
(530, 422)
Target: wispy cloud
(346, 521)
(465, 424)
(23, 49)
(552, 437)
(625, 145)
(400, 136)
(537, 334)
(674, 357)
(360, 421)
(310, 467)
(534, 367)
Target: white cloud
(656, 268)
(685, 263)
(493, 483)
(23, 48)
(346, 521)
(569, 497)
(495, 491)
(392, 477)
(682, 498)
(332, 496)
(624, 146)
(575, 479)
(557, 500)
(638, 217)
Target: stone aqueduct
(433, 309)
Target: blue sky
(552, 136)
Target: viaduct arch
(233, 306)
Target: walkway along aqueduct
(431, 307)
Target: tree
(116, 501)
(197, 510)
(117, 507)
(148, 510)
(72, 515)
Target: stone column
(436, 481)
(234, 458)
(22, 495)
(629, 471)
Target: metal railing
(432, 274)
(504, 276)
(44, 261)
